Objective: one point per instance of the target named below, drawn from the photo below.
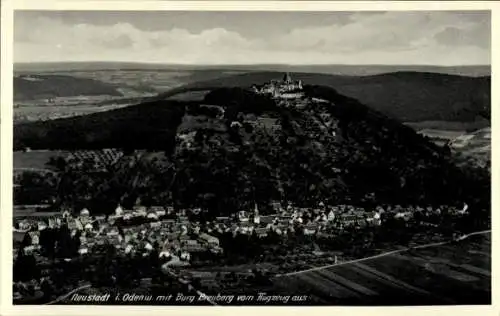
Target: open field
(448, 125)
(33, 214)
(134, 81)
(190, 96)
(36, 159)
(42, 113)
(469, 147)
(440, 137)
(454, 274)
(450, 274)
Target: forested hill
(237, 147)
(407, 96)
(33, 87)
(340, 151)
(145, 126)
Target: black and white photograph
(251, 158)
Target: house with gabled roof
(115, 241)
(310, 229)
(261, 232)
(35, 237)
(267, 219)
(208, 239)
(112, 231)
(139, 210)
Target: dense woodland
(371, 160)
(408, 96)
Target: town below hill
(64, 250)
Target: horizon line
(252, 64)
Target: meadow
(43, 113)
(36, 159)
(458, 274)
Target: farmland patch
(36, 159)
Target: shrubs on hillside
(240, 100)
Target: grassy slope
(34, 159)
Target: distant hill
(242, 148)
(34, 87)
(407, 96)
(349, 70)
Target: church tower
(256, 209)
(256, 216)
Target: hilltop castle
(284, 89)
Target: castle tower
(287, 78)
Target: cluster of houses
(172, 238)
(176, 238)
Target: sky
(444, 38)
